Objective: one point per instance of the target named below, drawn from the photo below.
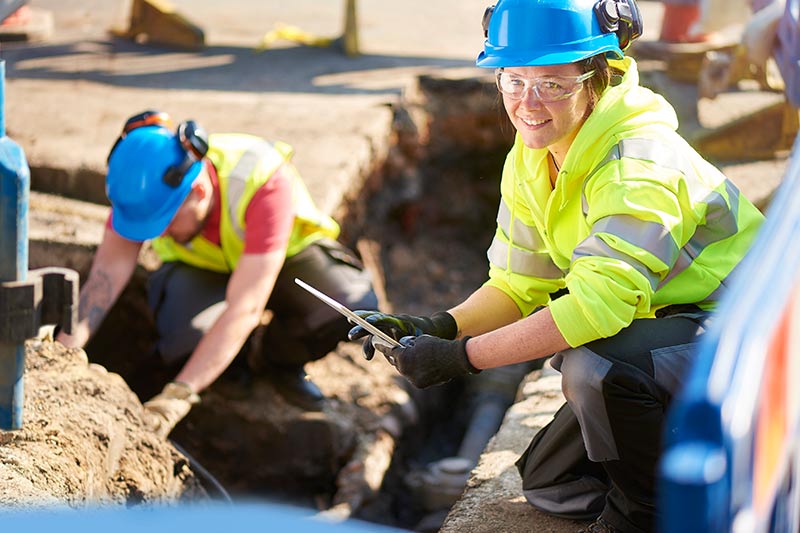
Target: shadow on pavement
(297, 69)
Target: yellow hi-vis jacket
(637, 220)
(244, 163)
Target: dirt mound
(83, 440)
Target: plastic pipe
(14, 198)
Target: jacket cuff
(572, 322)
(445, 324)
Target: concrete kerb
(493, 499)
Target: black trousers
(599, 455)
(186, 301)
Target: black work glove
(426, 361)
(441, 324)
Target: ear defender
(194, 141)
(192, 138)
(487, 16)
(621, 17)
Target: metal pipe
(14, 199)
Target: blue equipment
(732, 455)
(13, 261)
(27, 299)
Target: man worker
(234, 225)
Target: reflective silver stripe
(650, 236)
(594, 246)
(725, 225)
(521, 261)
(665, 156)
(721, 219)
(724, 284)
(583, 376)
(522, 234)
(237, 180)
(716, 295)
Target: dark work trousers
(186, 301)
(599, 454)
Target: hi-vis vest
(619, 267)
(694, 268)
(637, 221)
(244, 163)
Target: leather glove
(441, 324)
(166, 409)
(426, 360)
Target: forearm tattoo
(96, 299)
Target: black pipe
(204, 475)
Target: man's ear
(201, 188)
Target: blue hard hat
(523, 33)
(144, 202)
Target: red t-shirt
(269, 216)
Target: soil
(83, 440)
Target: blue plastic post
(14, 197)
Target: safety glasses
(546, 88)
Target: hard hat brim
(495, 57)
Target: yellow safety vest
(637, 220)
(244, 163)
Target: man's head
(152, 172)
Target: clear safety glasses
(546, 88)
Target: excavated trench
(422, 223)
(427, 224)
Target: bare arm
(531, 338)
(246, 296)
(499, 337)
(111, 270)
(485, 310)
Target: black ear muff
(487, 16)
(193, 139)
(173, 176)
(621, 17)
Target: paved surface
(493, 500)
(67, 98)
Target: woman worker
(614, 241)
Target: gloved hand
(428, 360)
(441, 324)
(166, 409)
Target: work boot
(599, 526)
(296, 388)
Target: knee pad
(583, 373)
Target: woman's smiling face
(547, 124)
